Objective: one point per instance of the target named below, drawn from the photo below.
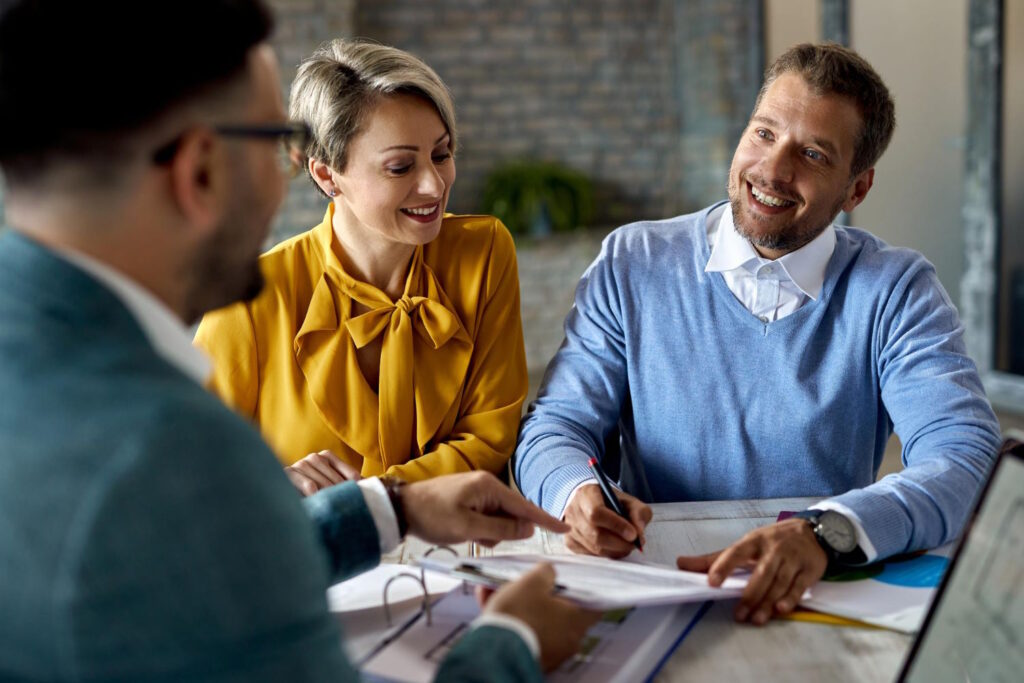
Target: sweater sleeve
(228, 337)
(934, 397)
(484, 433)
(582, 393)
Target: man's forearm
(923, 506)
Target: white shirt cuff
(376, 497)
(517, 626)
(862, 538)
(572, 494)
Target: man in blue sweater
(146, 532)
(756, 350)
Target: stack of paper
(594, 582)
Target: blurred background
(577, 117)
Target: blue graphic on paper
(924, 571)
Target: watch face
(837, 531)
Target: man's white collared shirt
(769, 289)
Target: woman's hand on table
(318, 471)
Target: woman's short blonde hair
(343, 80)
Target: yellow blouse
(452, 367)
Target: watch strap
(393, 487)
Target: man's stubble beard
(786, 239)
(219, 275)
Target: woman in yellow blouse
(389, 335)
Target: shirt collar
(730, 250)
(169, 337)
(805, 267)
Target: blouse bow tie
(434, 322)
(420, 374)
(421, 308)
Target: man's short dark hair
(77, 77)
(831, 69)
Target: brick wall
(548, 272)
(301, 26)
(588, 84)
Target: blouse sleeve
(484, 434)
(228, 337)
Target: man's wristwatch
(837, 537)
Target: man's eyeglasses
(294, 136)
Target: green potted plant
(538, 197)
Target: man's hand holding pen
(597, 529)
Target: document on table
(628, 644)
(893, 594)
(595, 582)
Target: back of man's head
(80, 80)
(831, 69)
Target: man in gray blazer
(146, 532)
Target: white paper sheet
(894, 594)
(595, 582)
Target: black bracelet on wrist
(392, 486)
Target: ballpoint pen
(610, 499)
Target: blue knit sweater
(714, 404)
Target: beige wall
(919, 49)
(788, 22)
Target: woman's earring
(333, 193)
